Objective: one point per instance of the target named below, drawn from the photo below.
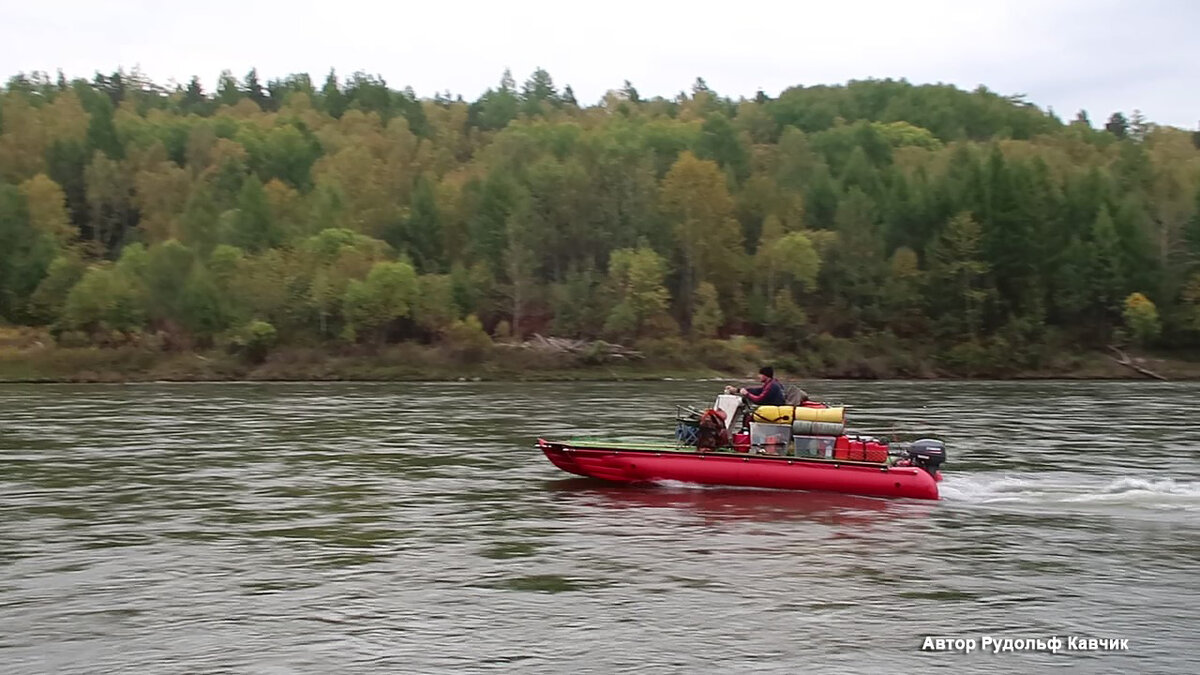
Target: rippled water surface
(384, 528)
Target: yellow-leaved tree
(1141, 318)
(696, 202)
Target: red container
(875, 452)
(852, 449)
(741, 442)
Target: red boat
(851, 465)
(648, 463)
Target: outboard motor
(927, 453)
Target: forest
(837, 226)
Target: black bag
(793, 395)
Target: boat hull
(649, 464)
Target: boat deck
(649, 446)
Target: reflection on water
(413, 528)
(718, 504)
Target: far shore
(416, 363)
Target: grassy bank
(31, 356)
(407, 363)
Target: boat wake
(1072, 489)
(684, 486)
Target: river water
(381, 528)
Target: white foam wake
(1069, 488)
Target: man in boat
(769, 393)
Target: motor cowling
(927, 453)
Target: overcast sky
(1098, 55)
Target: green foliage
(1105, 279)
(696, 201)
(1191, 233)
(708, 318)
(965, 223)
(288, 153)
(539, 92)
(47, 302)
(228, 92)
(957, 293)
(579, 304)
(255, 340)
(638, 275)
(901, 133)
(790, 259)
(434, 308)
(423, 228)
(386, 295)
(623, 321)
(467, 339)
(167, 271)
(203, 309)
(719, 141)
(902, 295)
(1191, 304)
(106, 298)
(254, 226)
(223, 264)
(970, 358)
(200, 222)
(497, 107)
(786, 321)
(101, 133)
(330, 245)
(856, 265)
(498, 197)
(25, 254)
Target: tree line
(877, 211)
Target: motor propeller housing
(927, 453)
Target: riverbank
(33, 360)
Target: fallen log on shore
(556, 345)
(1128, 363)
